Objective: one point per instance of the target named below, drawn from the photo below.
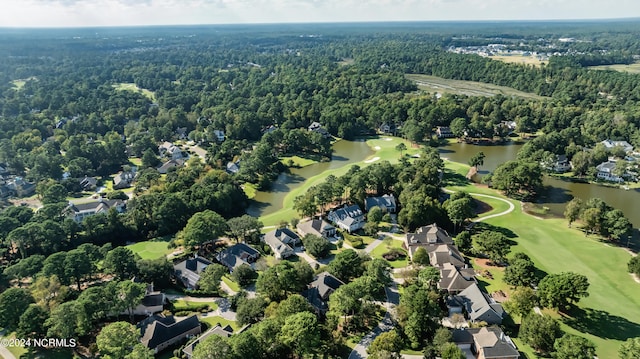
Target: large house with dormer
(350, 218)
(80, 211)
(316, 227)
(425, 237)
(282, 241)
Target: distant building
(88, 183)
(626, 146)
(80, 211)
(317, 127)
(233, 167)
(219, 135)
(171, 151)
(165, 167)
(444, 132)
(123, 180)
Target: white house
(348, 218)
(605, 172)
(626, 146)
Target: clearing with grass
(631, 68)
(134, 88)
(151, 249)
(468, 88)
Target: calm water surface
(558, 192)
(344, 153)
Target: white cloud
(156, 12)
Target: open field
(384, 248)
(134, 88)
(611, 313)
(151, 249)
(385, 151)
(518, 59)
(469, 88)
(631, 68)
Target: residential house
(387, 203)
(281, 241)
(165, 167)
(219, 135)
(426, 236)
(440, 254)
(80, 211)
(561, 164)
(318, 291)
(385, 128)
(269, 129)
(20, 187)
(237, 255)
(181, 132)
(605, 172)
(317, 127)
(88, 183)
(316, 227)
(233, 167)
(218, 330)
(188, 271)
(455, 279)
(171, 151)
(349, 218)
(478, 305)
(159, 333)
(444, 132)
(123, 180)
(626, 146)
(153, 302)
(486, 343)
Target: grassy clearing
(297, 161)
(213, 321)
(519, 59)
(385, 151)
(153, 249)
(124, 86)
(233, 285)
(469, 88)
(611, 313)
(385, 247)
(631, 68)
(135, 161)
(181, 304)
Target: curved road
(393, 298)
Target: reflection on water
(557, 191)
(344, 153)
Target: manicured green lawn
(385, 151)
(611, 313)
(384, 248)
(151, 249)
(249, 189)
(233, 285)
(212, 321)
(181, 304)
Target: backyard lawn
(153, 249)
(233, 285)
(181, 304)
(212, 321)
(385, 247)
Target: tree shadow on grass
(452, 178)
(484, 226)
(601, 324)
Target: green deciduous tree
(494, 244)
(421, 257)
(251, 310)
(630, 349)
(521, 272)
(120, 340)
(13, 302)
(301, 333)
(210, 278)
(522, 301)
(244, 228)
(573, 347)
(120, 262)
(388, 342)
(559, 291)
(316, 246)
(540, 332)
(31, 322)
(346, 265)
(214, 347)
(244, 275)
(203, 227)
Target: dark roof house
(188, 271)
(160, 332)
(165, 167)
(281, 241)
(88, 183)
(237, 255)
(478, 305)
(486, 342)
(349, 218)
(320, 289)
(387, 203)
(454, 279)
(316, 227)
(81, 211)
(123, 180)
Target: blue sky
(64, 13)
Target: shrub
(394, 254)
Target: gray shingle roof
(157, 329)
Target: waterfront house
(387, 203)
(349, 218)
(316, 227)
